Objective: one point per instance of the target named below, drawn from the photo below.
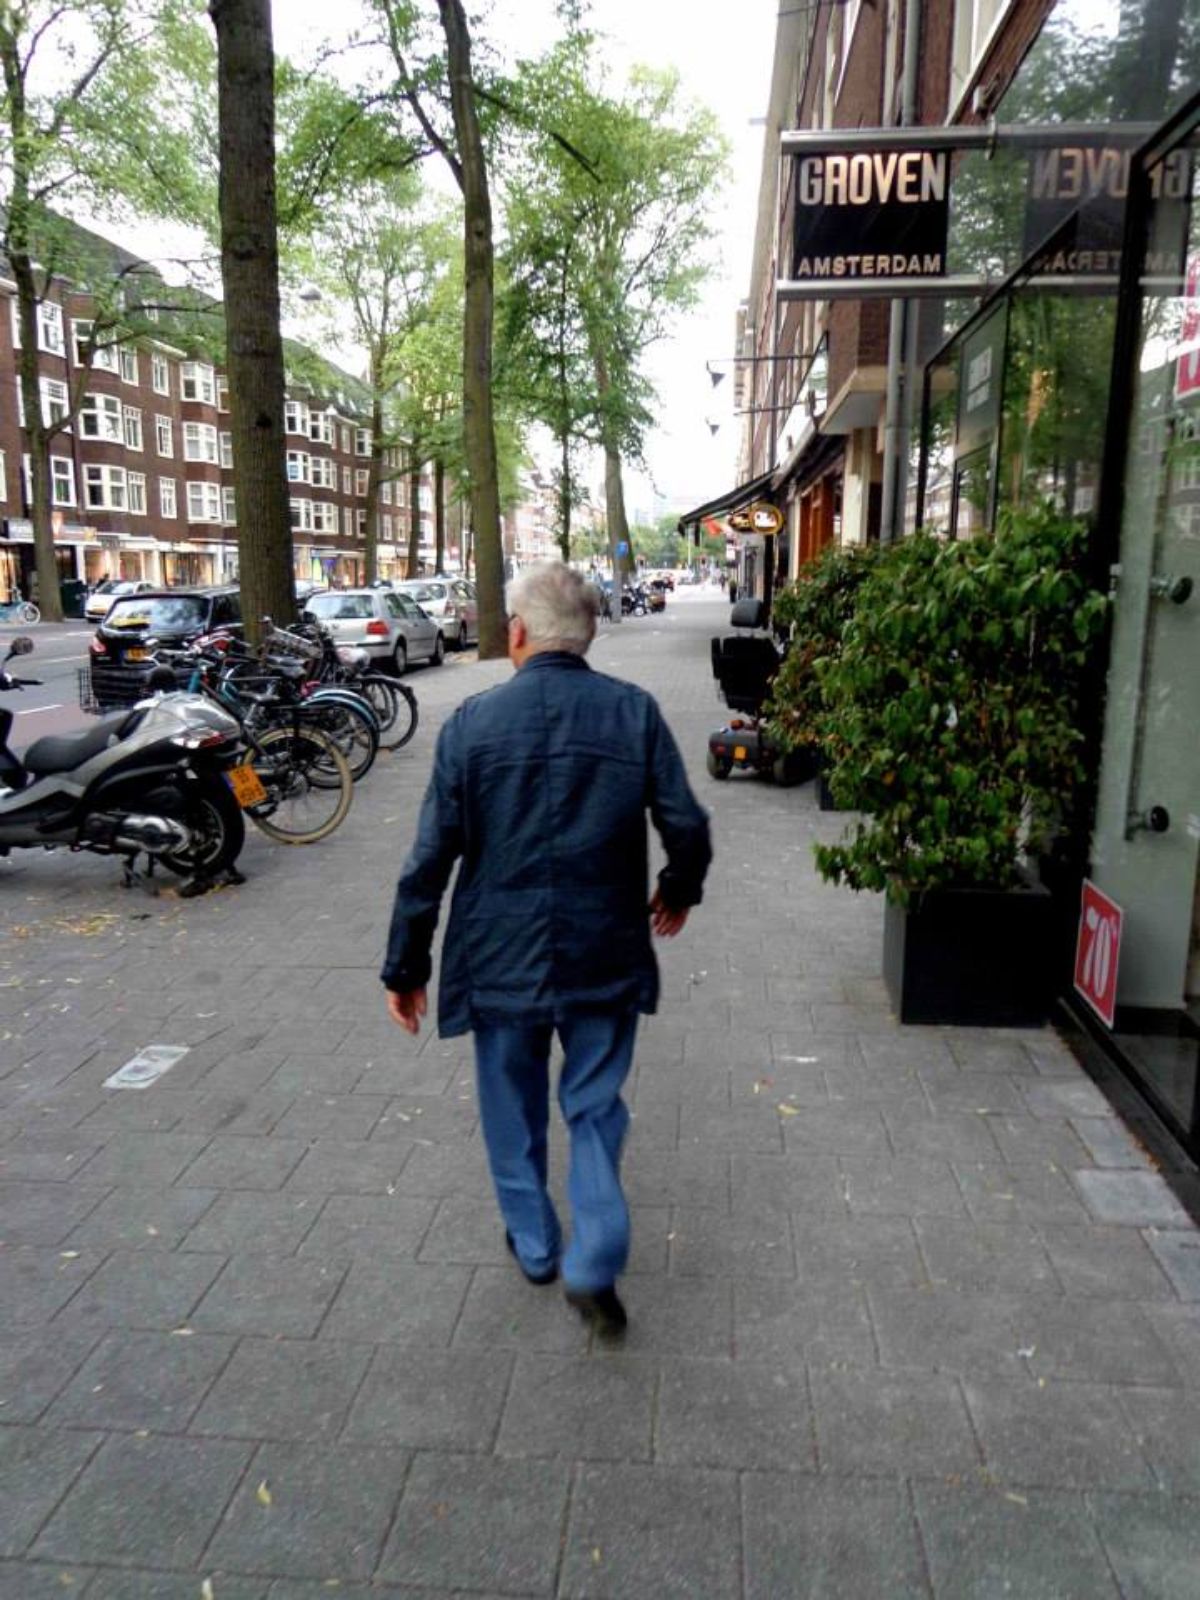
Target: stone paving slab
(913, 1313)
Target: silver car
(392, 628)
(451, 601)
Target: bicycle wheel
(405, 725)
(351, 730)
(29, 613)
(382, 695)
(308, 784)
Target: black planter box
(825, 799)
(981, 957)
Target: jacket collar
(555, 658)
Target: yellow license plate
(137, 655)
(246, 785)
(739, 752)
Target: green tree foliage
(951, 713)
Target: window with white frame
(62, 480)
(386, 525)
(362, 441)
(324, 517)
(204, 502)
(849, 23)
(222, 393)
(360, 523)
(323, 472)
(348, 522)
(228, 504)
(160, 373)
(226, 443)
(362, 480)
(3, 477)
(104, 488)
(56, 401)
(301, 514)
(136, 493)
(100, 418)
(347, 481)
(974, 25)
(297, 466)
(197, 382)
(50, 327)
(385, 491)
(167, 503)
(129, 364)
(295, 417)
(164, 435)
(346, 441)
(104, 356)
(132, 419)
(199, 443)
(320, 427)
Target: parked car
(451, 601)
(121, 652)
(389, 626)
(96, 606)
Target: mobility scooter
(744, 664)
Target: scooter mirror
(21, 646)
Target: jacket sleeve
(681, 821)
(426, 872)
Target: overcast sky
(724, 61)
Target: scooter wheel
(218, 829)
(719, 766)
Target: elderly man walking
(540, 790)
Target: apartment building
(142, 480)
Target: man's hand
(665, 922)
(407, 1009)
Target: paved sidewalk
(912, 1315)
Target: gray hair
(556, 604)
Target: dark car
(122, 650)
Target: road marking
(56, 661)
(36, 711)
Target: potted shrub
(951, 717)
(815, 609)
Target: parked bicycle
(18, 610)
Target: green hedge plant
(815, 607)
(951, 714)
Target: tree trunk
(614, 496)
(414, 512)
(439, 514)
(250, 274)
(374, 479)
(564, 498)
(479, 434)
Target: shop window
(166, 497)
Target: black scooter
(151, 779)
(744, 664)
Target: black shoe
(540, 1279)
(602, 1308)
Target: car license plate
(739, 752)
(246, 785)
(137, 655)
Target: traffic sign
(1097, 951)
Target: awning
(743, 495)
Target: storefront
(1079, 382)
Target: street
(911, 1312)
(59, 650)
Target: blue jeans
(513, 1070)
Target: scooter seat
(61, 753)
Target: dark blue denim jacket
(540, 790)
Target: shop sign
(1075, 206)
(871, 214)
(981, 364)
(1097, 950)
(19, 530)
(761, 517)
